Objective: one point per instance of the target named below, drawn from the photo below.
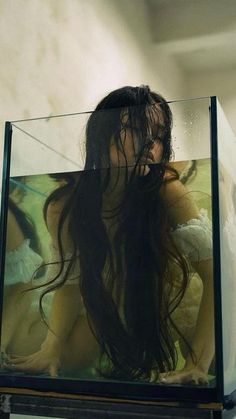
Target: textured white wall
(62, 56)
(220, 83)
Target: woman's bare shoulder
(55, 207)
(178, 201)
(57, 201)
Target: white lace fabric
(21, 264)
(194, 241)
(194, 238)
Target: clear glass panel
(102, 228)
(227, 187)
(55, 143)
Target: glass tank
(227, 208)
(118, 253)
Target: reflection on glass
(228, 253)
(23, 258)
(124, 249)
(227, 182)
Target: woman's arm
(181, 208)
(66, 306)
(203, 342)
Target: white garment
(194, 238)
(21, 264)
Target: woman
(125, 238)
(23, 258)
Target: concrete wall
(63, 56)
(220, 83)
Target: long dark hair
(125, 282)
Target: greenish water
(30, 193)
(40, 187)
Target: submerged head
(130, 127)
